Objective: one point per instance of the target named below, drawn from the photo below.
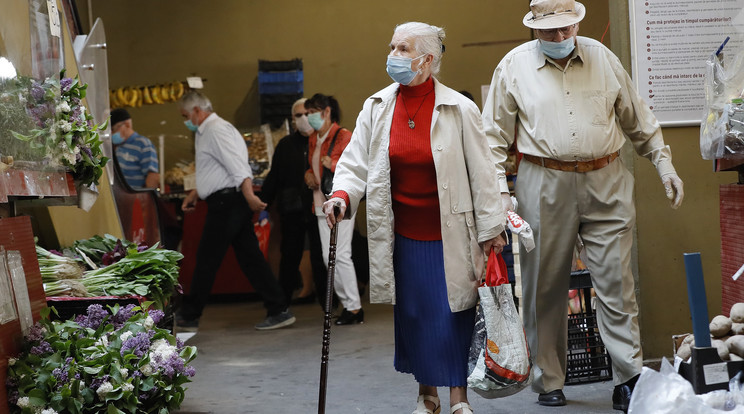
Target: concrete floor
(241, 370)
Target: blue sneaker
(280, 320)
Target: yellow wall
(343, 46)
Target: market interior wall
(343, 46)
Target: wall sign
(670, 42)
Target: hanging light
(7, 70)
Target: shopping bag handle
(496, 273)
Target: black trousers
(294, 226)
(229, 223)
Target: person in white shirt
(572, 104)
(225, 181)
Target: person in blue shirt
(135, 153)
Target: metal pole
(327, 318)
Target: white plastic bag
(722, 125)
(668, 392)
(499, 362)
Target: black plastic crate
(279, 65)
(279, 99)
(587, 359)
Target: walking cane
(327, 317)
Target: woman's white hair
(194, 99)
(427, 39)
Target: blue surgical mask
(190, 125)
(399, 69)
(315, 120)
(116, 138)
(558, 50)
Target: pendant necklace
(412, 124)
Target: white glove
(328, 210)
(674, 189)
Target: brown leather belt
(573, 166)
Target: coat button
(387, 285)
(455, 207)
(439, 147)
(470, 222)
(444, 186)
(448, 224)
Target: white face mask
(303, 125)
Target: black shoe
(621, 394)
(552, 399)
(304, 300)
(348, 318)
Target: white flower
(147, 370)
(149, 323)
(70, 158)
(124, 372)
(12, 361)
(104, 339)
(127, 386)
(65, 126)
(49, 411)
(23, 402)
(126, 335)
(63, 107)
(104, 389)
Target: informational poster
(670, 42)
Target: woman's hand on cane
(329, 206)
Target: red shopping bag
(496, 273)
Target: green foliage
(46, 122)
(103, 362)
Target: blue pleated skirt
(431, 342)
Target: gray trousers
(598, 205)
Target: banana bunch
(146, 95)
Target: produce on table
(720, 326)
(727, 334)
(737, 313)
(118, 268)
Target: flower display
(113, 361)
(46, 123)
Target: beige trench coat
(469, 198)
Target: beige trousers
(598, 205)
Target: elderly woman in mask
(420, 155)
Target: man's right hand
(310, 180)
(189, 203)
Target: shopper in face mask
(420, 156)
(285, 185)
(326, 144)
(225, 181)
(135, 153)
(572, 104)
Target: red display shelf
(30, 183)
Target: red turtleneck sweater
(412, 174)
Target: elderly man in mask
(572, 104)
